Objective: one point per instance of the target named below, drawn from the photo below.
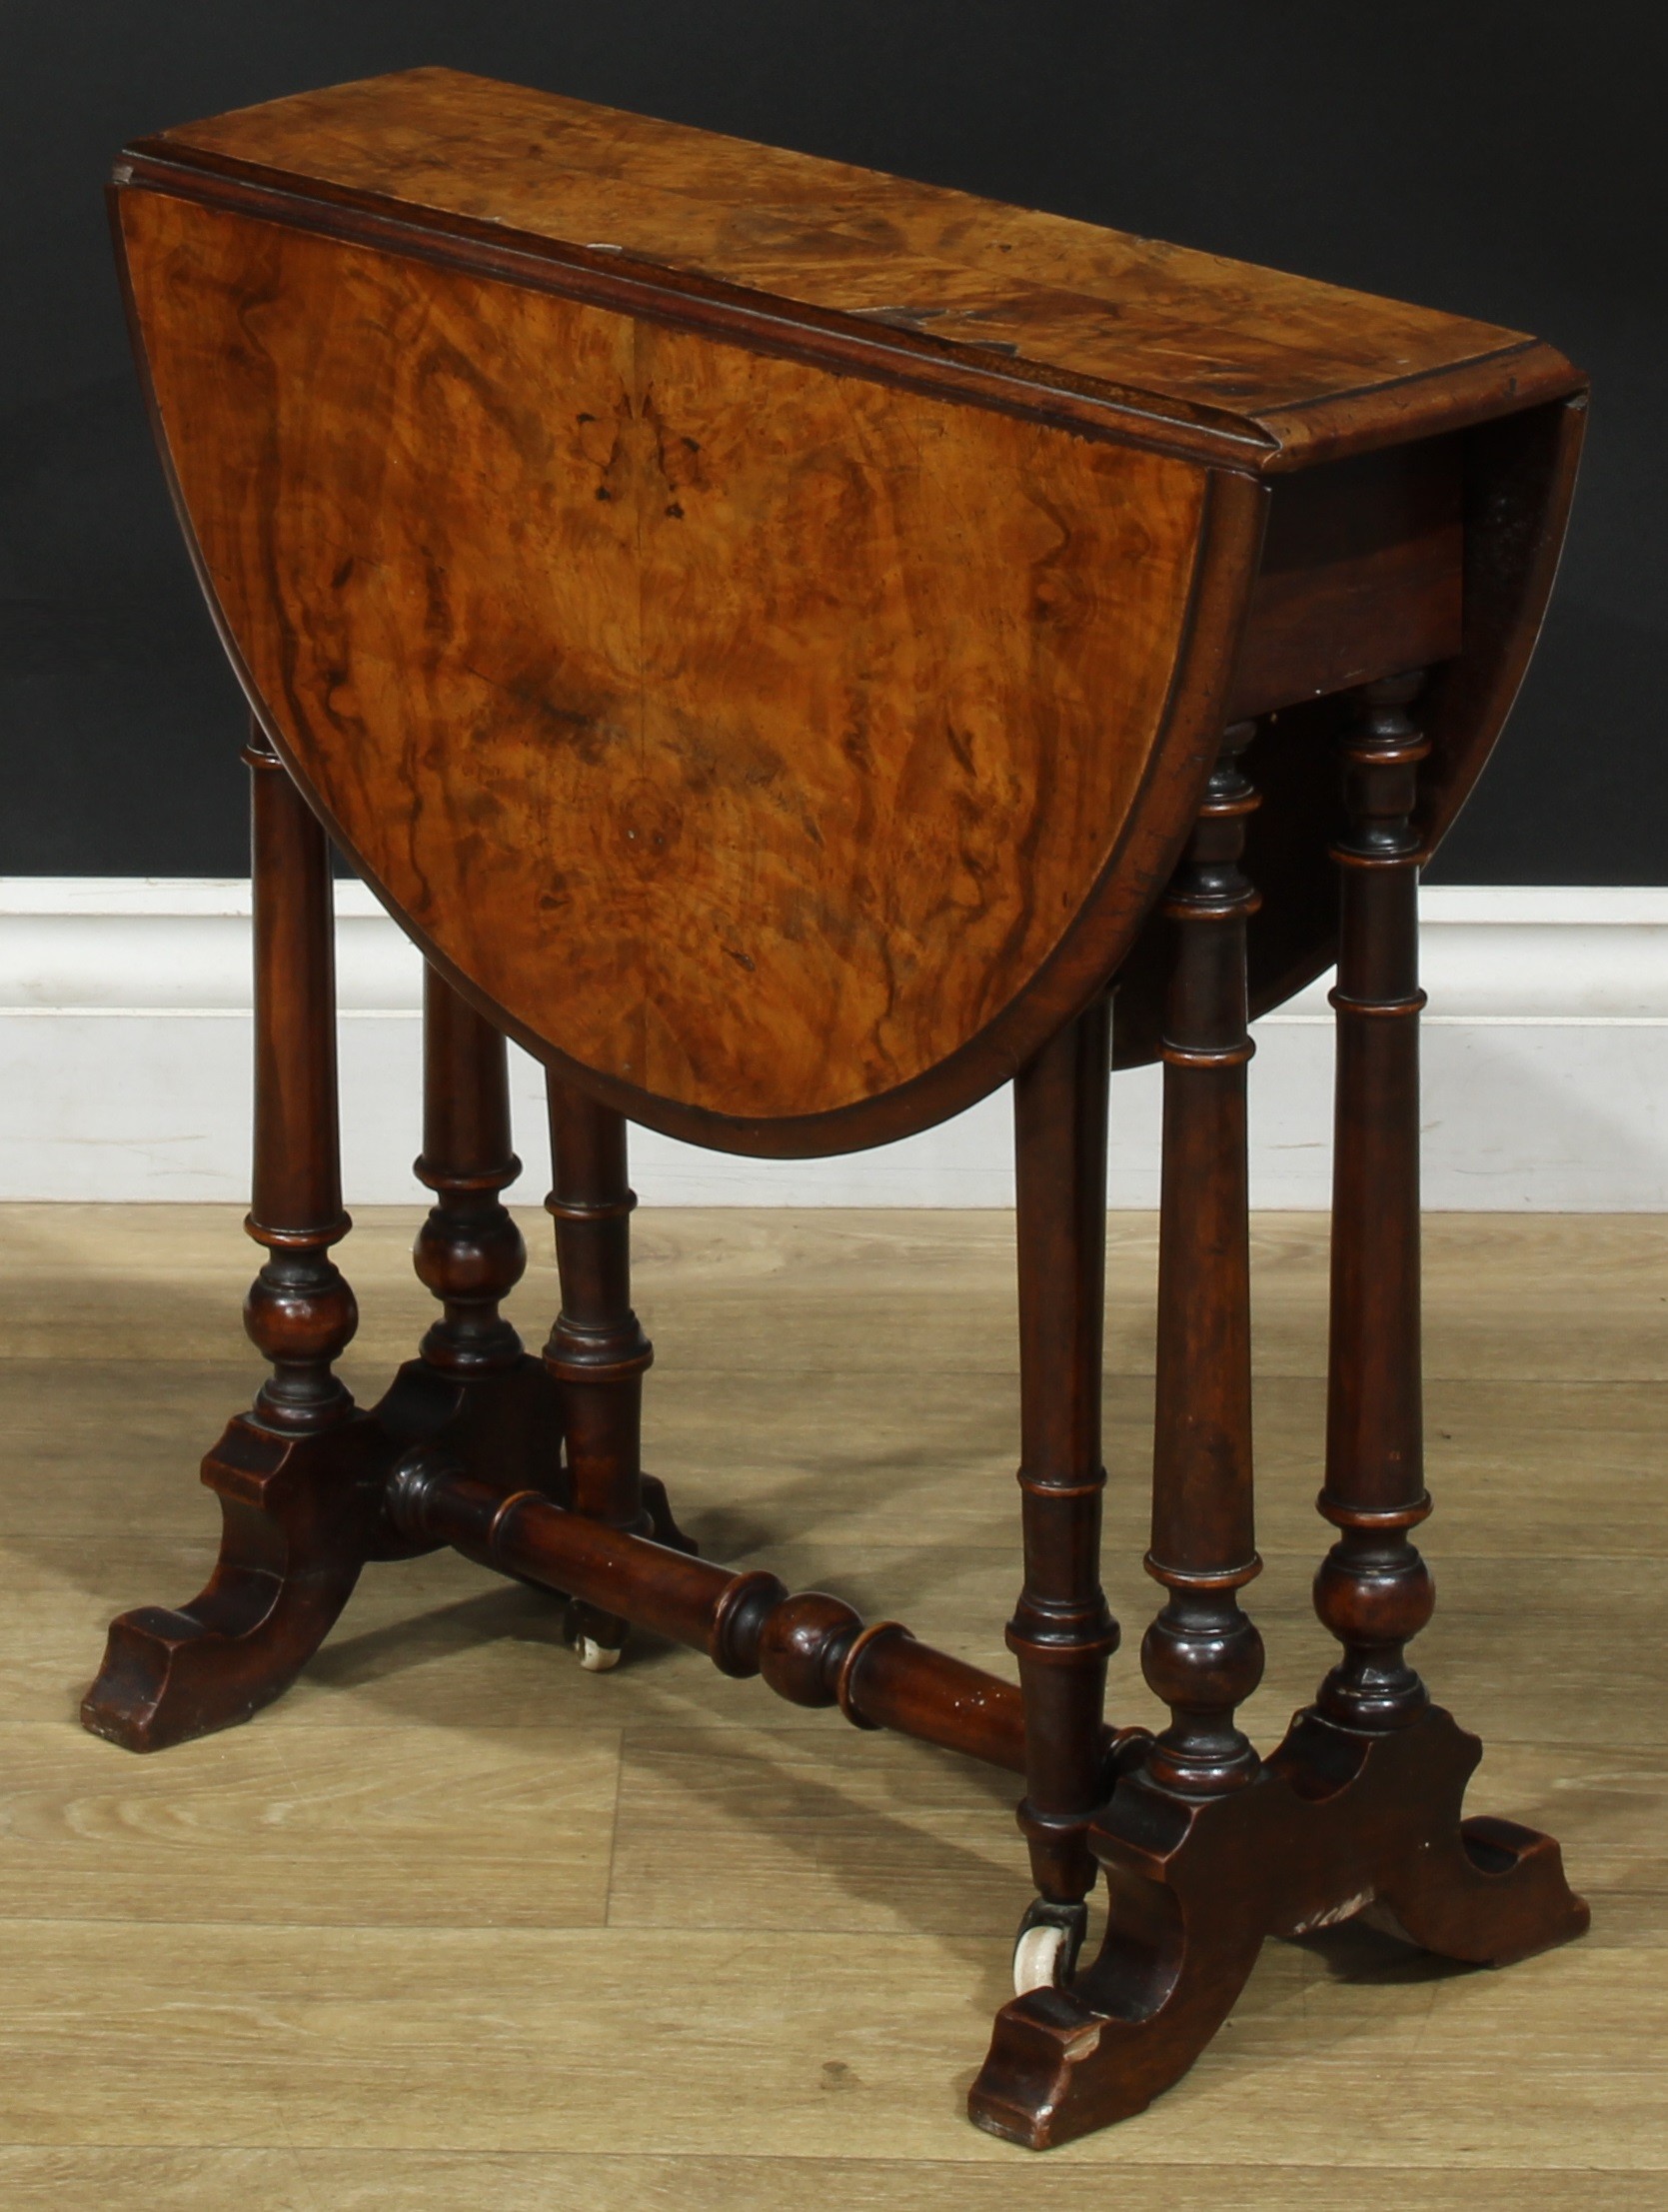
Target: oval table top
(762, 626)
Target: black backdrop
(1495, 157)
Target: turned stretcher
(797, 650)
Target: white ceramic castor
(1045, 1949)
(1037, 1960)
(595, 1657)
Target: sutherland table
(796, 649)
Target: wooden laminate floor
(457, 1926)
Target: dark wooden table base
(532, 1466)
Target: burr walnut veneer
(796, 650)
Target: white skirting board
(125, 1048)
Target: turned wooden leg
(1201, 1655)
(473, 1381)
(598, 1353)
(469, 1251)
(1181, 1934)
(298, 1476)
(1062, 1632)
(1480, 1890)
(1206, 1850)
(1373, 1590)
(300, 1312)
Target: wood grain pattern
(320, 1897)
(45, 2180)
(804, 668)
(1517, 479)
(751, 737)
(1292, 367)
(782, 725)
(1362, 575)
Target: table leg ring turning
(789, 722)
(1206, 1849)
(532, 1467)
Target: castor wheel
(580, 1627)
(1046, 1946)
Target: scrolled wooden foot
(1484, 1891)
(299, 1477)
(300, 1515)
(1064, 2061)
(1338, 1821)
(1495, 1894)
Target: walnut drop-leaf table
(796, 649)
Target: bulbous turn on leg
(299, 1477)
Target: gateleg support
(1062, 1632)
(597, 1353)
(1206, 1850)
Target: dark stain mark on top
(900, 317)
